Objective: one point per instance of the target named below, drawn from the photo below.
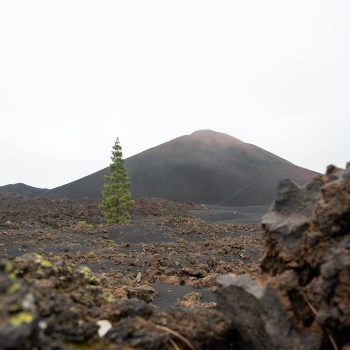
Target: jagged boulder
(302, 298)
(260, 318)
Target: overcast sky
(74, 75)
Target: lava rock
(260, 319)
(302, 298)
(19, 327)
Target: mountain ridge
(23, 189)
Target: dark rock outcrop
(259, 317)
(302, 298)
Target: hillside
(204, 167)
(23, 190)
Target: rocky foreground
(299, 298)
(165, 244)
(60, 306)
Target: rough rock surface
(18, 312)
(302, 298)
(260, 318)
(58, 305)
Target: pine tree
(117, 198)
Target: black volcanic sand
(175, 248)
(232, 215)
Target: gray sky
(74, 75)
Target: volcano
(204, 167)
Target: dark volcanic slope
(204, 167)
(23, 190)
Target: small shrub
(82, 226)
(91, 255)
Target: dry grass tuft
(174, 344)
(314, 311)
(186, 341)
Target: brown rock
(144, 292)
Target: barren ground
(178, 249)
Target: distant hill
(23, 190)
(204, 167)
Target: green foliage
(83, 224)
(91, 255)
(117, 198)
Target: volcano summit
(204, 167)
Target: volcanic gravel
(166, 244)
